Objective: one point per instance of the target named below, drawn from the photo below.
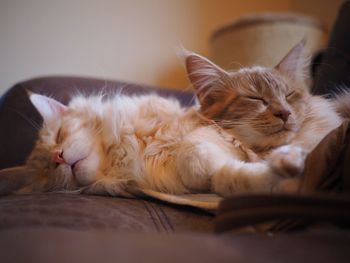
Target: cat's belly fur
(189, 164)
(171, 161)
(171, 150)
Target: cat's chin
(281, 137)
(85, 172)
(273, 140)
(282, 129)
(282, 133)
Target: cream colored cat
(251, 131)
(120, 145)
(268, 109)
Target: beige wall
(120, 39)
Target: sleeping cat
(265, 107)
(269, 110)
(123, 144)
(250, 133)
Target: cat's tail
(17, 179)
(341, 103)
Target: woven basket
(264, 39)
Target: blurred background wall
(121, 39)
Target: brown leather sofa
(83, 228)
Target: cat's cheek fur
(61, 178)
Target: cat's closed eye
(259, 99)
(290, 95)
(58, 136)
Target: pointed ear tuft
(202, 73)
(294, 63)
(48, 108)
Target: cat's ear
(48, 108)
(204, 75)
(294, 63)
(210, 83)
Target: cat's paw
(239, 177)
(288, 185)
(287, 161)
(112, 188)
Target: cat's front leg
(112, 187)
(241, 177)
(288, 162)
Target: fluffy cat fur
(249, 133)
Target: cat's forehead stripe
(259, 80)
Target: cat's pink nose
(283, 114)
(58, 157)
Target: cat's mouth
(73, 167)
(76, 166)
(281, 130)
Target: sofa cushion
(90, 213)
(53, 245)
